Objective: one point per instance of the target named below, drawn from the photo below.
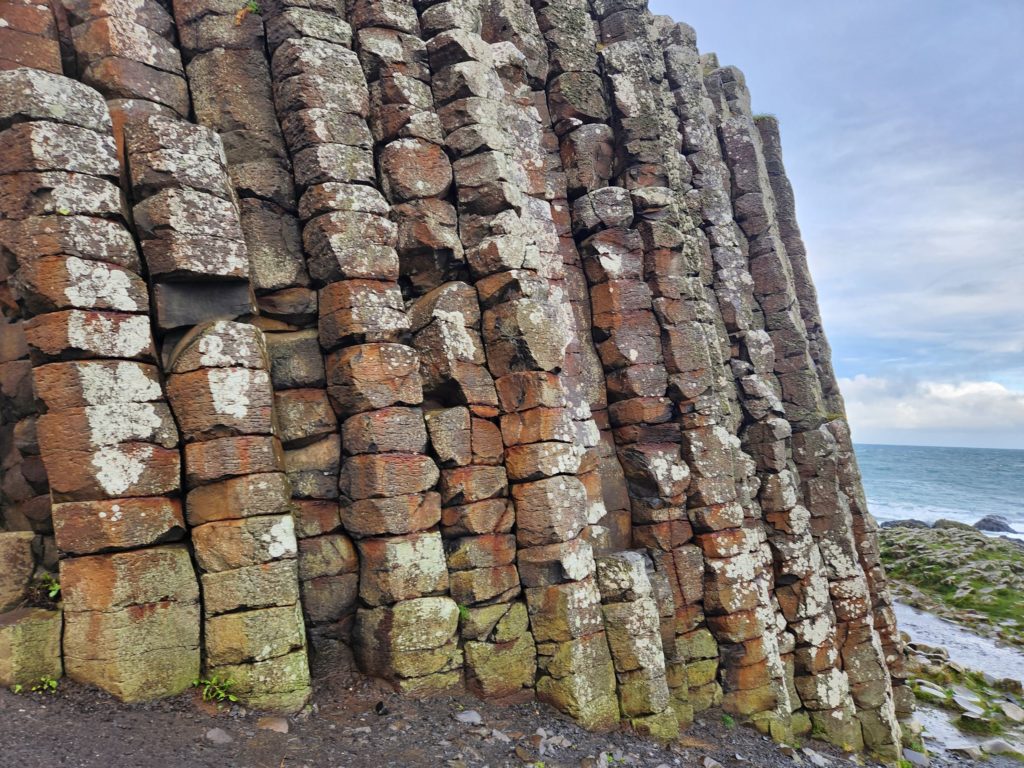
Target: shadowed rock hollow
(476, 334)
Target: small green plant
(50, 585)
(17, 688)
(45, 685)
(215, 689)
(904, 763)
(463, 613)
(728, 721)
(250, 6)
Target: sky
(903, 131)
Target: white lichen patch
(108, 383)
(118, 467)
(107, 336)
(226, 343)
(229, 390)
(93, 284)
(280, 539)
(458, 342)
(120, 422)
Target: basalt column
(512, 254)
(219, 386)
(865, 529)
(106, 434)
(814, 446)
(405, 625)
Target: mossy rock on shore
(977, 579)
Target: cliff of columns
(477, 335)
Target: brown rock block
(221, 402)
(227, 544)
(540, 460)
(488, 551)
(139, 12)
(565, 612)
(297, 305)
(451, 435)
(401, 567)
(538, 425)
(137, 654)
(21, 49)
(335, 196)
(57, 147)
(56, 282)
(370, 376)
(86, 429)
(351, 245)
(501, 670)
(465, 485)
(118, 36)
(369, 310)
(235, 638)
(307, 90)
(327, 556)
(303, 415)
(413, 168)
(239, 497)
(324, 163)
(313, 469)
(549, 511)
(396, 515)
(736, 627)
(484, 585)
(165, 151)
(84, 527)
(30, 640)
(482, 517)
(121, 470)
(330, 598)
(220, 344)
(383, 475)
(16, 387)
(29, 94)
(385, 431)
(297, 23)
(123, 580)
(315, 517)
(206, 26)
(717, 517)
(556, 563)
(295, 360)
(410, 639)
(42, 193)
(280, 684)
(193, 213)
(83, 236)
(123, 78)
(255, 586)
(19, 566)
(524, 335)
(528, 390)
(226, 457)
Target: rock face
(476, 334)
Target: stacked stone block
(511, 249)
(864, 527)
(105, 431)
(632, 621)
(219, 386)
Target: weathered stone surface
(223, 545)
(84, 527)
(30, 646)
(401, 568)
(251, 587)
(369, 376)
(19, 566)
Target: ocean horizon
(929, 483)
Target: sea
(964, 484)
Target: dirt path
(83, 728)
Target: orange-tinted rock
(226, 457)
(384, 431)
(413, 168)
(370, 376)
(384, 475)
(114, 471)
(464, 485)
(221, 402)
(549, 511)
(395, 515)
(238, 497)
(401, 567)
(84, 527)
(482, 517)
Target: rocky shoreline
(959, 573)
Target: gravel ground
(354, 722)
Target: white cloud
(953, 413)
